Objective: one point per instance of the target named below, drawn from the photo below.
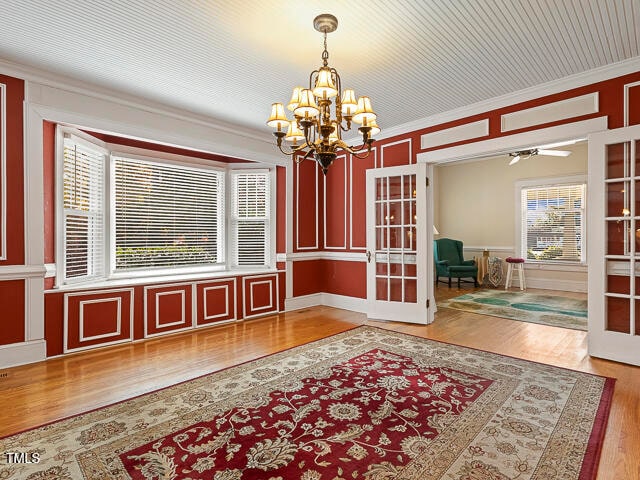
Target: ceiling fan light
(307, 106)
(364, 113)
(514, 160)
(325, 86)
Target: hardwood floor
(34, 394)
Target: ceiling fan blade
(560, 144)
(515, 159)
(554, 153)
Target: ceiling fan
(541, 150)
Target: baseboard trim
(304, 301)
(22, 353)
(548, 284)
(354, 304)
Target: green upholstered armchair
(450, 262)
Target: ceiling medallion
(322, 112)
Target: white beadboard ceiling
(229, 60)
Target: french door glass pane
(395, 220)
(618, 311)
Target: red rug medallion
(375, 407)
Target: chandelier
(322, 112)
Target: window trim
(60, 236)
(271, 254)
(147, 276)
(546, 182)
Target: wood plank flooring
(34, 394)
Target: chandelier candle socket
(322, 112)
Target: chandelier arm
(294, 150)
(361, 154)
(309, 141)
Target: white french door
(614, 244)
(398, 277)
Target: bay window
(129, 215)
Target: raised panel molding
(152, 296)
(392, 144)
(460, 133)
(204, 313)
(551, 112)
(635, 86)
(118, 330)
(344, 187)
(71, 343)
(183, 313)
(250, 308)
(360, 217)
(315, 245)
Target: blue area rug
(526, 307)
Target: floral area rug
(526, 307)
(365, 404)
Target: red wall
(349, 278)
(12, 296)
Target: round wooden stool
(515, 263)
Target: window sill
(564, 267)
(152, 280)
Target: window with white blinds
(553, 221)
(167, 215)
(124, 215)
(83, 210)
(250, 217)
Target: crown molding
(577, 80)
(53, 80)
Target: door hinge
(428, 302)
(427, 181)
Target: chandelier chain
(325, 53)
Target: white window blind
(83, 206)
(167, 215)
(250, 218)
(553, 223)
